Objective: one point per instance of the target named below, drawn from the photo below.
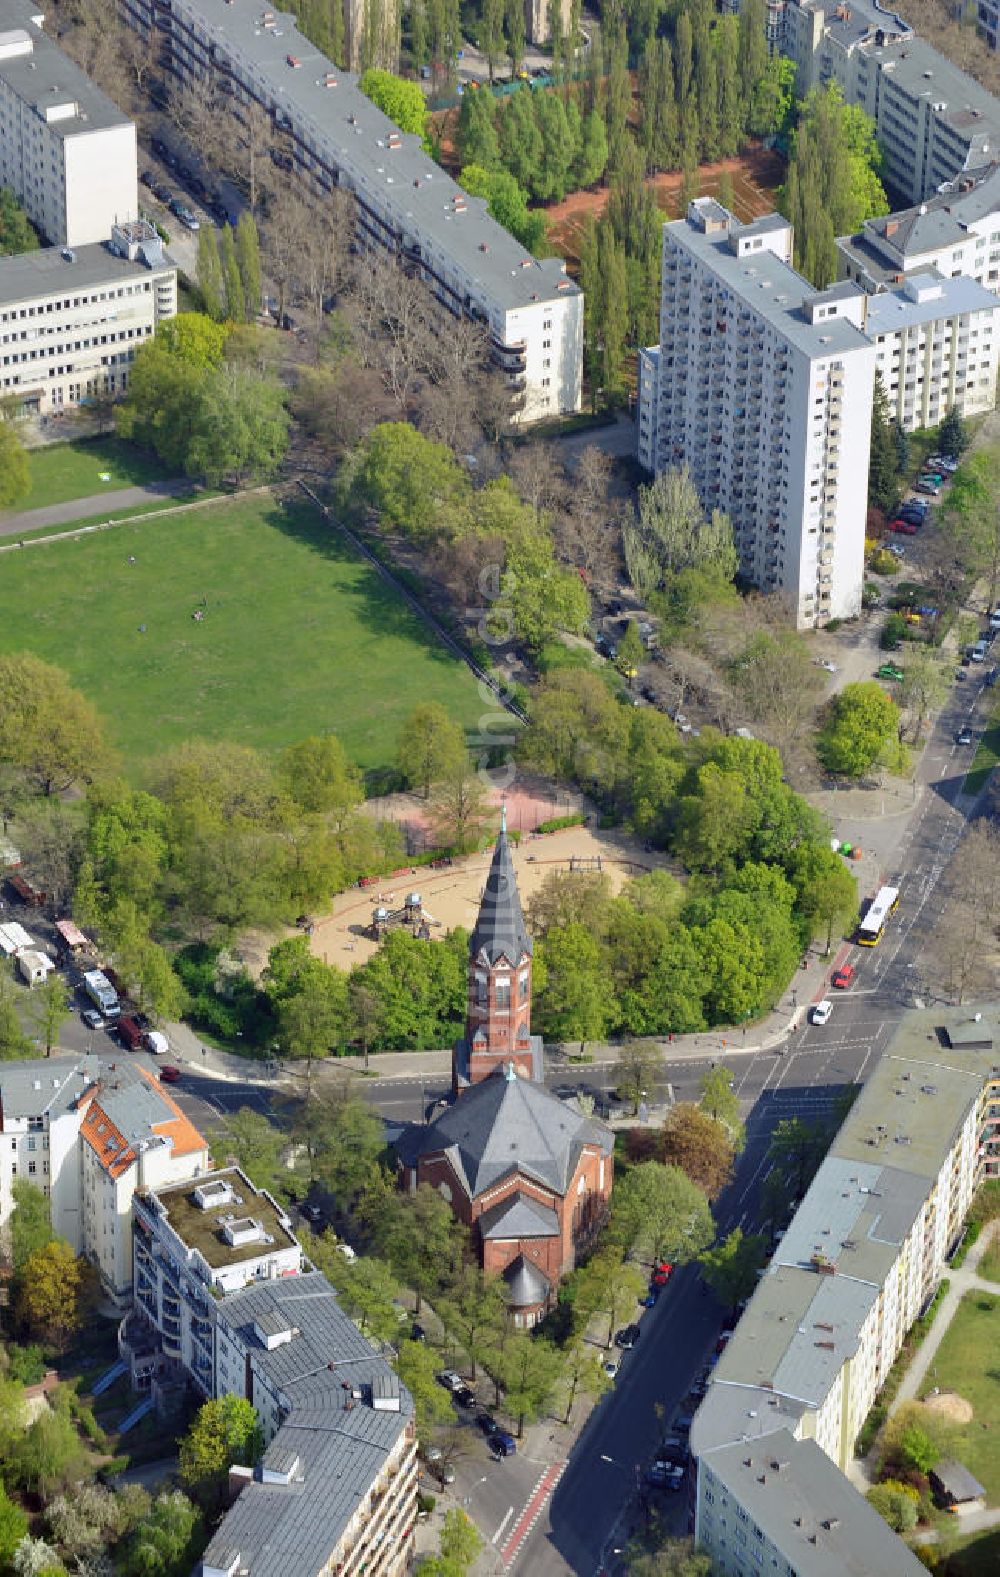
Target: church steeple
(498, 1021)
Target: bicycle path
(74, 509)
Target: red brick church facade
(529, 1174)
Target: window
(503, 995)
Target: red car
(662, 1273)
(906, 528)
(169, 1074)
(842, 978)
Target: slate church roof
(500, 930)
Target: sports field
(296, 635)
(82, 470)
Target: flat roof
(49, 272)
(924, 73)
(46, 77)
(354, 134)
(770, 287)
(203, 1229)
(809, 1511)
(895, 309)
(51, 1085)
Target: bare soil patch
(951, 1406)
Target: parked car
(465, 1396)
(156, 1042)
(451, 1380)
(159, 147)
(130, 1032)
(964, 735)
(417, 1332)
(905, 527)
(169, 1074)
(890, 671)
(627, 1337)
(995, 620)
(662, 1272)
(925, 485)
(313, 1214)
(844, 977)
(148, 178)
(821, 1011)
(978, 652)
(430, 1453)
(92, 1018)
(443, 1472)
(162, 192)
(611, 1365)
(487, 1423)
(649, 1299)
(502, 1444)
(666, 1475)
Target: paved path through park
(107, 504)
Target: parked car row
(500, 1441)
(191, 181)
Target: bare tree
(962, 954)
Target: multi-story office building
(937, 344)
(88, 1132)
(860, 1260)
(957, 232)
(224, 1297)
(72, 319)
(404, 202)
(933, 121)
(66, 151)
(764, 392)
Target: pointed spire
(500, 929)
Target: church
(528, 1174)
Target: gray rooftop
(809, 1511)
(353, 134)
(500, 931)
(46, 1085)
(131, 1102)
(333, 1444)
(506, 1125)
(49, 272)
(956, 1482)
(851, 25)
(46, 77)
(770, 287)
(526, 1284)
(923, 72)
(891, 310)
(518, 1216)
(944, 219)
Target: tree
(257, 1145)
(797, 1148)
(883, 472)
(346, 1143)
(402, 100)
(896, 1504)
(417, 1364)
(671, 534)
(673, 1557)
(16, 233)
(699, 1145)
(832, 184)
(661, 1214)
(719, 1099)
(631, 651)
(164, 1544)
(640, 1062)
(431, 747)
(312, 1022)
(506, 200)
(50, 1008)
(421, 1239)
(242, 430)
(575, 1003)
(14, 1043)
(194, 339)
(460, 1543)
(730, 1267)
(365, 1286)
(460, 810)
(827, 892)
(953, 436)
(474, 1312)
(15, 474)
(210, 281)
(584, 1373)
(51, 1456)
(320, 778)
(607, 1286)
(48, 1292)
(411, 481)
(528, 1368)
(13, 1527)
(30, 1224)
(232, 283)
(861, 722)
(48, 731)
(248, 263)
(225, 1432)
(924, 687)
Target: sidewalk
(962, 1281)
(106, 504)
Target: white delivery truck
(102, 993)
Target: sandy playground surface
(951, 1406)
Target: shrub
(896, 1504)
(557, 823)
(25, 1364)
(894, 632)
(972, 1232)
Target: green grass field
(63, 471)
(989, 1263)
(986, 757)
(968, 1361)
(299, 636)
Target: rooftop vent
(242, 1231)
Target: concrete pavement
(96, 506)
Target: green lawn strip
(974, 1554)
(968, 1362)
(989, 1264)
(986, 756)
(76, 470)
(299, 635)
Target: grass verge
(986, 756)
(80, 470)
(962, 1364)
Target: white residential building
(764, 392)
(89, 1132)
(937, 344)
(225, 1299)
(66, 151)
(648, 406)
(957, 232)
(859, 1262)
(72, 319)
(404, 202)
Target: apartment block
(88, 1132)
(956, 232)
(72, 319)
(648, 407)
(860, 1260)
(937, 344)
(66, 151)
(763, 387)
(404, 202)
(932, 120)
(225, 1300)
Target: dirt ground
(951, 1406)
(755, 176)
(451, 896)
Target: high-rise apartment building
(763, 389)
(403, 201)
(66, 151)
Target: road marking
(532, 1511)
(503, 1524)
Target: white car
(156, 1042)
(824, 662)
(611, 1365)
(821, 1011)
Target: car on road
(487, 1423)
(662, 1272)
(162, 192)
(978, 652)
(129, 1032)
(443, 1472)
(465, 1396)
(627, 1337)
(843, 977)
(169, 1074)
(611, 1365)
(964, 735)
(821, 1011)
(650, 1298)
(995, 620)
(451, 1380)
(148, 178)
(890, 671)
(666, 1475)
(502, 1444)
(313, 1214)
(92, 1018)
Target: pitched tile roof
(127, 1108)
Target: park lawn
(989, 1263)
(299, 635)
(968, 1361)
(974, 1554)
(987, 755)
(73, 470)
